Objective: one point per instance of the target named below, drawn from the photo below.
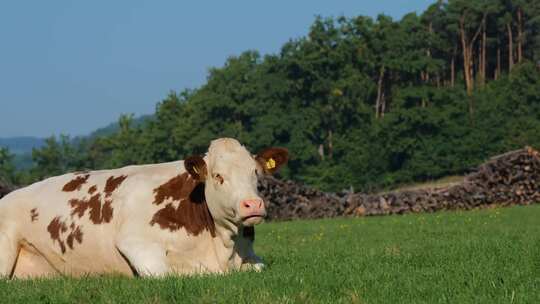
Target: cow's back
(70, 222)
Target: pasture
(486, 256)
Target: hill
(21, 144)
(114, 127)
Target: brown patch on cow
(106, 211)
(56, 227)
(98, 214)
(79, 206)
(192, 212)
(113, 183)
(76, 183)
(249, 233)
(92, 189)
(166, 218)
(75, 234)
(177, 188)
(34, 215)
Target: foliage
(7, 166)
(360, 102)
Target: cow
(181, 217)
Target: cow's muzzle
(252, 212)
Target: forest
(361, 103)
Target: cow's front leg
(9, 250)
(250, 261)
(146, 257)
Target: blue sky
(73, 66)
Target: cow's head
(230, 174)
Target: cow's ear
(196, 166)
(271, 159)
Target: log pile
(508, 179)
(291, 200)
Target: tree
(471, 19)
(55, 158)
(360, 102)
(7, 167)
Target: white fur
(129, 240)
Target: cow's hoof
(258, 267)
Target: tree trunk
(467, 46)
(379, 93)
(428, 51)
(484, 60)
(498, 69)
(330, 144)
(424, 78)
(520, 35)
(321, 151)
(383, 103)
(510, 47)
(479, 65)
(466, 59)
(453, 71)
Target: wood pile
(512, 178)
(291, 200)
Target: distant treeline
(362, 102)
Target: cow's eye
(256, 172)
(218, 178)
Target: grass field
(488, 256)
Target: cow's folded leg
(9, 251)
(146, 257)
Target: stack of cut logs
(291, 200)
(508, 179)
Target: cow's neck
(224, 243)
(226, 229)
(226, 232)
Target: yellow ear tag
(270, 164)
(195, 170)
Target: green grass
(488, 256)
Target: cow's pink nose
(253, 206)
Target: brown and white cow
(181, 217)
